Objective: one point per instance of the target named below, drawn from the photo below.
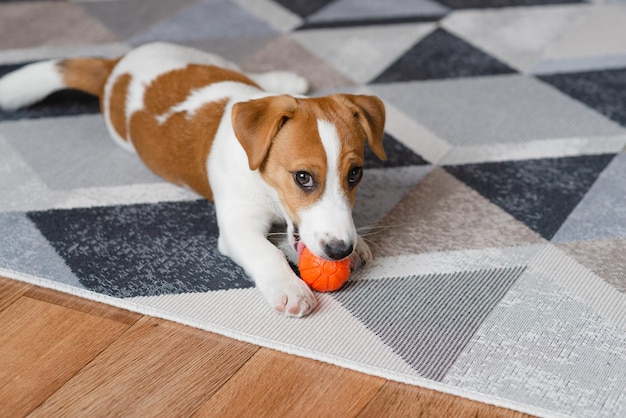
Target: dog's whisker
(384, 226)
(273, 234)
(372, 243)
(376, 229)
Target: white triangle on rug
(583, 283)
(363, 53)
(582, 37)
(331, 334)
(519, 36)
(449, 262)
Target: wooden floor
(65, 356)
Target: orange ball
(323, 275)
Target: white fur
(211, 93)
(280, 82)
(331, 217)
(29, 84)
(246, 207)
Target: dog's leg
(281, 82)
(244, 241)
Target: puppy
(250, 143)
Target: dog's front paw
(361, 255)
(290, 297)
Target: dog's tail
(34, 82)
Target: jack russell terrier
(251, 143)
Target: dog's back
(158, 92)
(166, 102)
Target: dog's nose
(337, 249)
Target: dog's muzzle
(338, 250)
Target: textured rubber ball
(323, 275)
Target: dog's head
(311, 151)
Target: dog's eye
(355, 175)
(304, 179)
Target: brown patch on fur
(87, 74)
(256, 123)
(90, 75)
(296, 147)
(361, 120)
(370, 113)
(173, 87)
(358, 119)
(178, 149)
(117, 104)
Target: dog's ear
(370, 112)
(256, 123)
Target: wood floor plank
(83, 305)
(399, 400)
(11, 290)
(42, 346)
(156, 367)
(277, 384)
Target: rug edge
(285, 348)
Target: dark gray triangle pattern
(142, 250)
(442, 55)
(429, 319)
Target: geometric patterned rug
(498, 222)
